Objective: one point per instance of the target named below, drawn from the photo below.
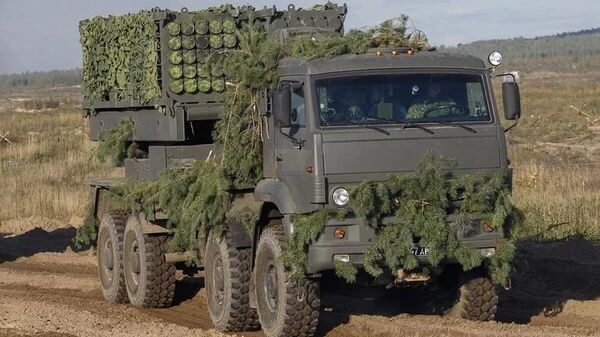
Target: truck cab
(335, 123)
(353, 118)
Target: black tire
(110, 257)
(286, 307)
(150, 280)
(227, 281)
(476, 299)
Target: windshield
(407, 98)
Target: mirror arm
(512, 126)
(506, 74)
(298, 143)
(296, 84)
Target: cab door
(290, 142)
(291, 147)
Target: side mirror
(511, 97)
(282, 105)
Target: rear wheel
(286, 307)
(110, 257)
(149, 278)
(227, 279)
(476, 298)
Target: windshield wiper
(369, 126)
(405, 124)
(470, 129)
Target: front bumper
(360, 235)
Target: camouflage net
(120, 57)
(420, 203)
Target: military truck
(314, 152)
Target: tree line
(53, 78)
(574, 44)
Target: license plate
(419, 251)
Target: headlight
(341, 196)
(487, 252)
(495, 58)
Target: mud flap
(100, 195)
(241, 220)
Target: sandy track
(55, 293)
(47, 299)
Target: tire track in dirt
(38, 296)
(433, 326)
(38, 314)
(190, 307)
(46, 280)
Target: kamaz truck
(314, 152)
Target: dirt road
(48, 290)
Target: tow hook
(403, 276)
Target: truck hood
(353, 154)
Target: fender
(150, 227)
(242, 218)
(101, 197)
(276, 192)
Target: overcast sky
(43, 34)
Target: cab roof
(370, 61)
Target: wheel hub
(108, 256)
(218, 277)
(270, 287)
(135, 263)
(108, 261)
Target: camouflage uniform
(436, 107)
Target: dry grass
(42, 173)
(558, 201)
(547, 113)
(556, 151)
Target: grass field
(43, 170)
(555, 151)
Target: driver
(354, 102)
(434, 104)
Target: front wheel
(476, 298)
(286, 307)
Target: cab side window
(298, 107)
